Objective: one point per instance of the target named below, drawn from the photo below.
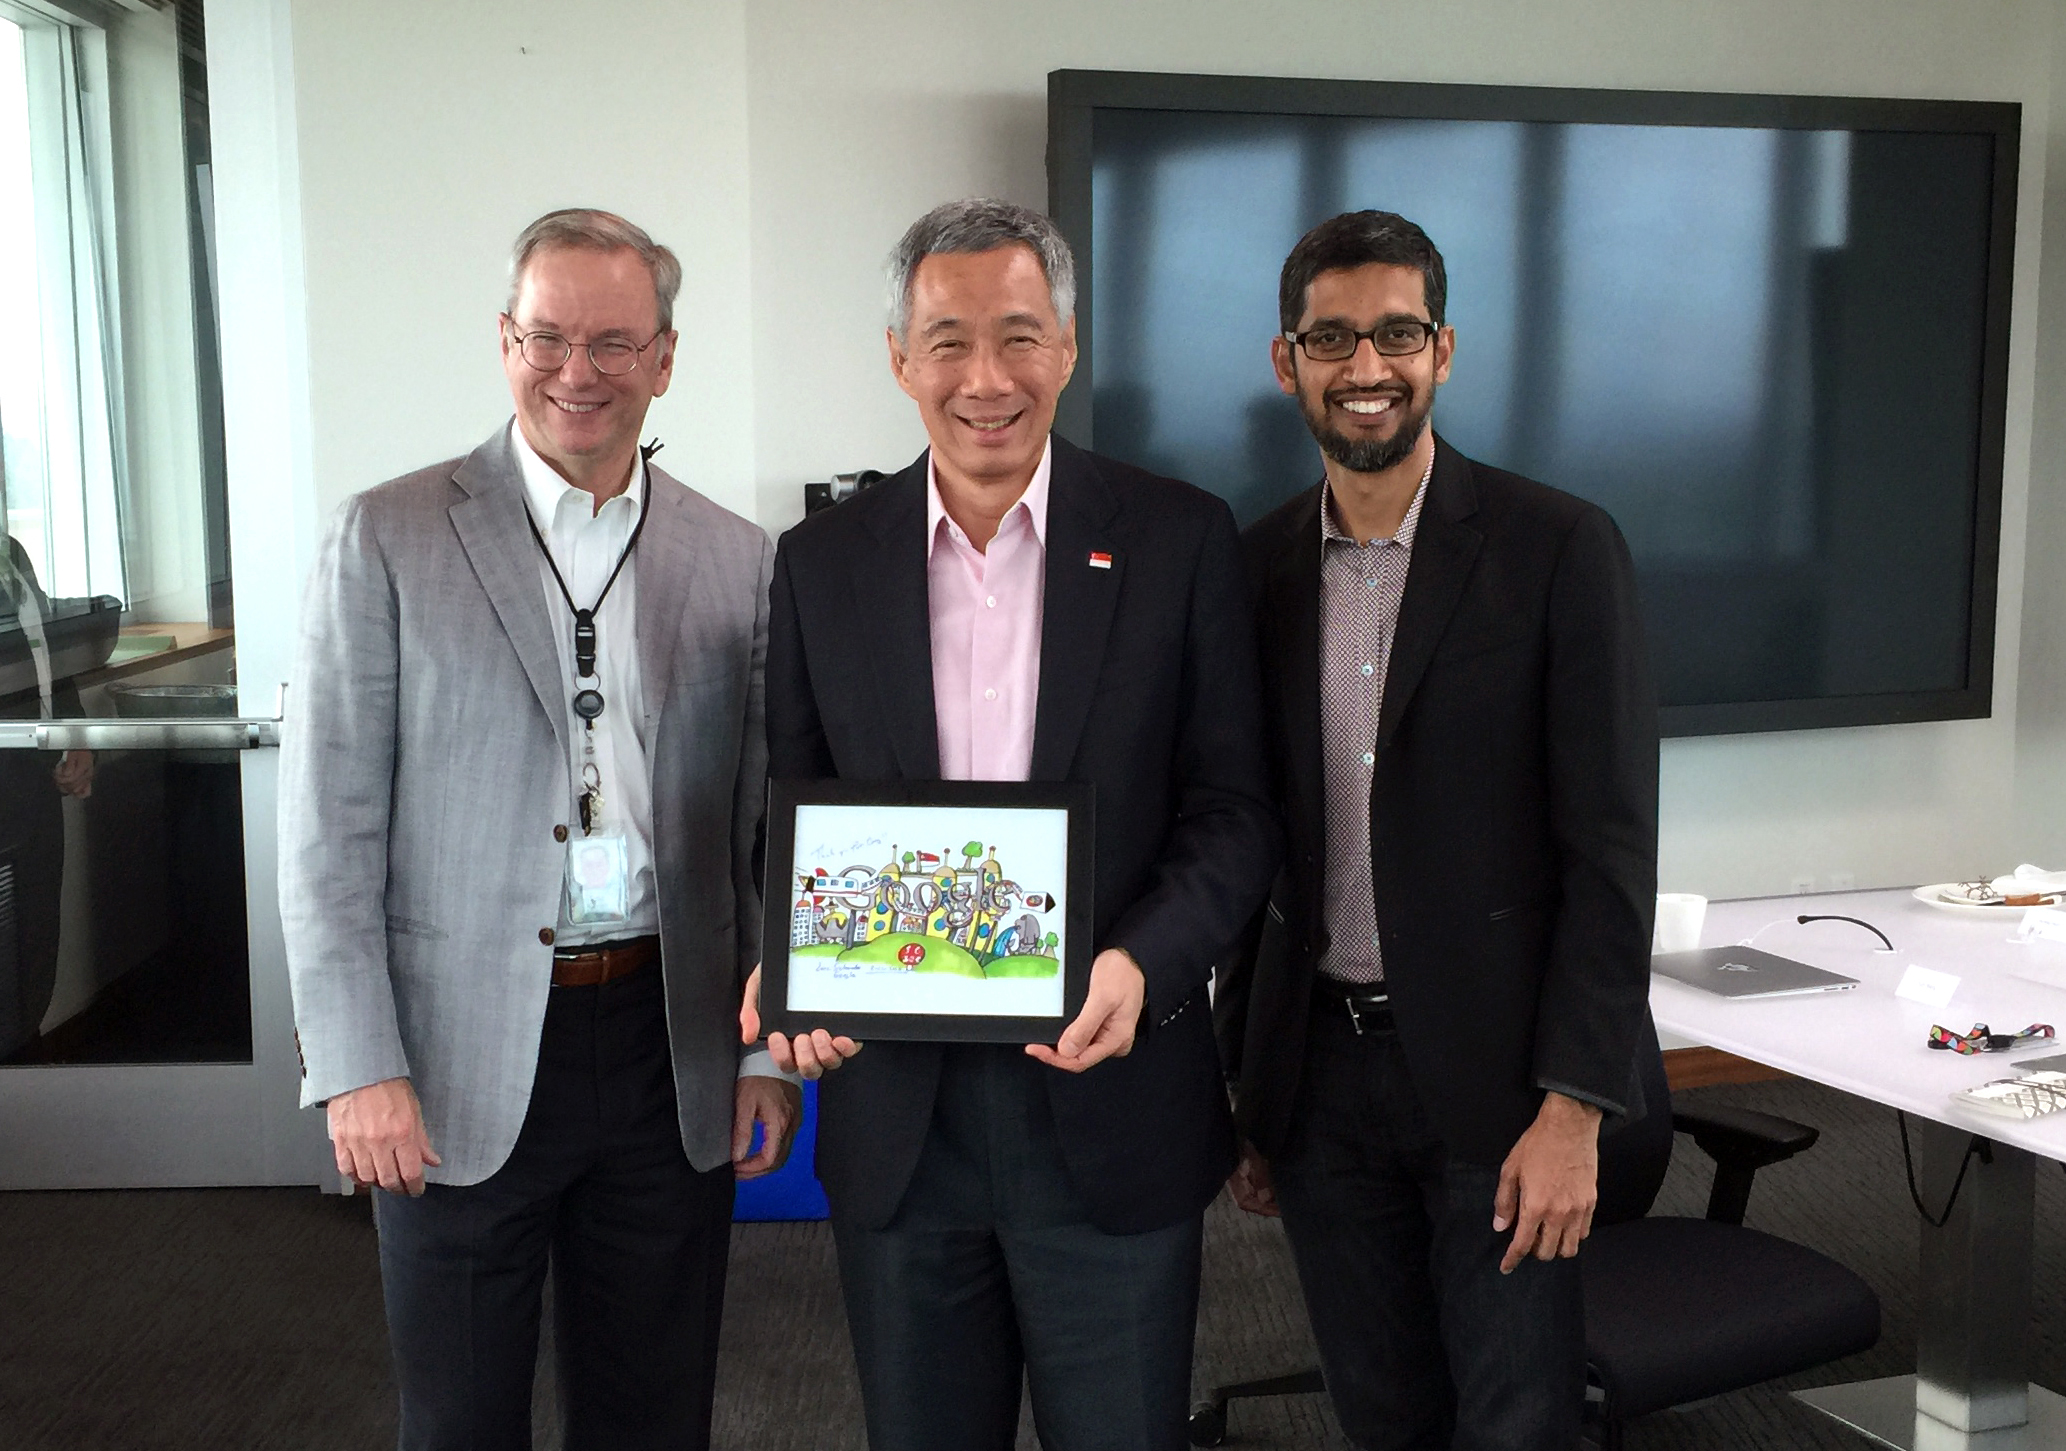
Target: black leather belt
(1367, 1005)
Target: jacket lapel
(664, 562)
(1292, 606)
(1076, 612)
(1444, 548)
(497, 540)
(892, 624)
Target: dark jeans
(1426, 1346)
(992, 1271)
(637, 1240)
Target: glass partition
(123, 932)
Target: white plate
(1929, 897)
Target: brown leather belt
(592, 966)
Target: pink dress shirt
(985, 608)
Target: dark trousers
(1426, 1346)
(636, 1237)
(992, 1272)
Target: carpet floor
(178, 1320)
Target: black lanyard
(588, 703)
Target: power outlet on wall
(1803, 882)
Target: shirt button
(989, 695)
(1369, 758)
(545, 935)
(1366, 667)
(1370, 584)
(559, 833)
(991, 602)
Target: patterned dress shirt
(1361, 586)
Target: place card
(2042, 924)
(1927, 986)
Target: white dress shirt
(586, 543)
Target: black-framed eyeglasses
(548, 352)
(1395, 337)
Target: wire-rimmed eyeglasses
(548, 351)
(1395, 337)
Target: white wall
(430, 134)
(782, 145)
(2040, 782)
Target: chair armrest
(1733, 1136)
(1741, 1141)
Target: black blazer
(1147, 690)
(1513, 811)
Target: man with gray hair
(1035, 612)
(520, 791)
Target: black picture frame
(1077, 800)
(1076, 97)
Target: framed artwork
(943, 910)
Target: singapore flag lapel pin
(1100, 560)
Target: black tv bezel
(1075, 96)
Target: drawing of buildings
(918, 892)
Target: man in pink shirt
(1033, 612)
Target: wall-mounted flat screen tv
(1769, 334)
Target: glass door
(145, 1037)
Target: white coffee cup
(1679, 915)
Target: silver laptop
(1746, 972)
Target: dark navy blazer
(1148, 690)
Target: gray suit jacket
(423, 771)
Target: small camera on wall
(842, 488)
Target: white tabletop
(1867, 1041)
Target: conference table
(1971, 1389)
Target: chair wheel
(1208, 1424)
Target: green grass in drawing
(1028, 966)
(932, 955)
(915, 951)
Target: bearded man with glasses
(1441, 1003)
(520, 789)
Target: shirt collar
(548, 493)
(1330, 532)
(1033, 501)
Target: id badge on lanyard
(598, 862)
(598, 871)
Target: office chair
(1678, 1310)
